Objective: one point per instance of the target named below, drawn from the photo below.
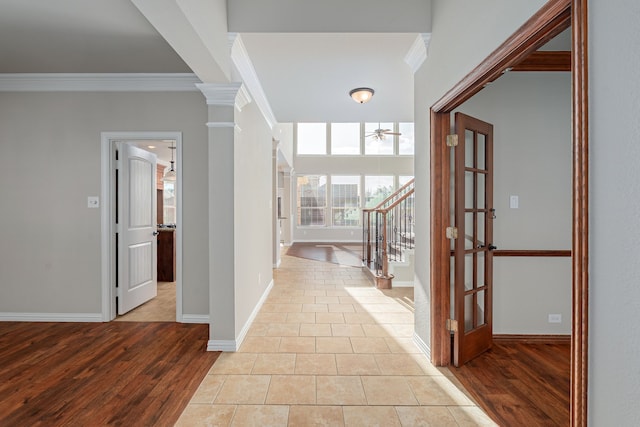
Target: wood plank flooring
(335, 253)
(520, 384)
(97, 374)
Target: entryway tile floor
(329, 349)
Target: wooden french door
(473, 220)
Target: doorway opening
(166, 227)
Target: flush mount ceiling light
(361, 94)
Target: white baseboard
(195, 318)
(254, 313)
(50, 317)
(327, 241)
(234, 345)
(221, 345)
(422, 346)
(405, 284)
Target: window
(345, 201)
(378, 145)
(312, 138)
(403, 179)
(169, 202)
(345, 138)
(406, 140)
(311, 199)
(376, 189)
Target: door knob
(491, 247)
(155, 233)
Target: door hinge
(452, 140)
(452, 232)
(452, 325)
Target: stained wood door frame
(554, 17)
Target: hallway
(327, 348)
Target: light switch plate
(93, 202)
(514, 202)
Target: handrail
(395, 194)
(388, 231)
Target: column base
(384, 282)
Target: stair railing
(387, 232)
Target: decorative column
(221, 99)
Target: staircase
(388, 238)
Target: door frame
(107, 217)
(554, 17)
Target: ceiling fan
(380, 134)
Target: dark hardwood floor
(97, 374)
(520, 384)
(337, 253)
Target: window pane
(376, 189)
(169, 203)
(406, 140)
(378, 144)
(312, 138)
(311, 199)
(403, 179)
(345, 138)
(345, 201)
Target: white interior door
(137, 223)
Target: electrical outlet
(555, 318)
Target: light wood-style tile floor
(162, 308)
(328, 348)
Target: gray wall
(253, 211)
(463, 34)
(614, 335)
(50, 150)
(531, 114)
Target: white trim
(221, 345)
(234, 345)
(243, 98)
(221, 124)
(242, 61)
(422, 346)
(98, 82)
(325, 240)
(418, 51)
(50, 317)
(403, 284)
(107, 195)
(243, 333)
(221, 94)
(195, 318)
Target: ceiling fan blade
(392, 133)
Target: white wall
(614, 300)
(531, 115)
(463, 34)
(253, 211)
(50, 151)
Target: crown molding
(221, 94)
(418, 51)
(240, 58)
(98, 82)
(243, 98)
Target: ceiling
(305, 76)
